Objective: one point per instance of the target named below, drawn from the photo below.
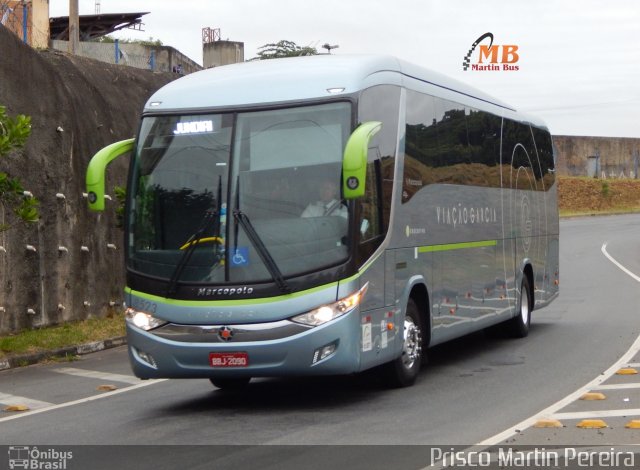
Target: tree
(13, 135)
(283, 48)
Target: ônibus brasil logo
(42, 459)
(492, 57)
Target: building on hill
(28, 20)
(31, 23)
(217, 52)
(142, 56)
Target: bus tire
(403, 371)
(236, 383)
(518, 326)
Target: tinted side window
(453, 141)
(519, 152)
(381, 103)
(378, 103)
(370, 214)
(449, 143)
(484, 131)
(544, 146)
(421, 143)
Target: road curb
(20, 360)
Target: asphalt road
(472, 389)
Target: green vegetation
(142, 42)
(68, 334)
(13, 136)
(283, 48)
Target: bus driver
(328, 204)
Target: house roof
(95, 26)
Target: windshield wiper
(192, 242)
(240, 218)
(210, 217)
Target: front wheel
(231, 384)
(518, 326)
(403, 371)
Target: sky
(578, 60)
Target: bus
(19, 457)
(435, 216)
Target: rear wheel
(231, 384)
(518, 326)
(403, 371)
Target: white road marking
(596, 414)
(94, 374)
(622, 268)
(552, 411)
(7, 399)
(617, 386)
(83, 400)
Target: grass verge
(68, 334)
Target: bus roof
(263, 82)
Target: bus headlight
(142, 320)
(325, 313)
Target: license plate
(229, 359)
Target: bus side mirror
(354, 162)
(97, 169)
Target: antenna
(97, 7)
(328, 47)
(210, 35)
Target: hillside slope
(77, 106)
(581, 195)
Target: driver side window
(370, 207)
(378, 103)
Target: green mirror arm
(354, 162)
(96, 171)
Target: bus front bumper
(232, 351)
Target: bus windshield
(201, 183)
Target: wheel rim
(412, 340)
(524, 306)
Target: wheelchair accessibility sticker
(240, 256)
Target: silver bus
(328, 215)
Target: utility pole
(74, 27)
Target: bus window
(518, 151)
(381, 103)
(448, 143)
(281, 160)
(544, 147)
(421, 143)
(453, 143)
(484, 146)
(370, 207)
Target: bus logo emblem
(225, 333)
